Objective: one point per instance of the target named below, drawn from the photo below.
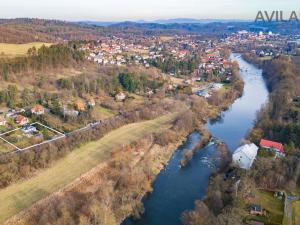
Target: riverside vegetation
(278, 120)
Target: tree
(128, 81)
(199, 216)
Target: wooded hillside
(31, 30)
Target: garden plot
(27, 137)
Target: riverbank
(229, 200)
(75, 165)
(175, 191)
(106, 182)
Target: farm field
(14, 50)
(22, 195)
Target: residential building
(21, 120)
(120, 96)
(256, 210)
(38, 110)
(29, 129)
(79, 105)
(91, 102)
(70, 112)
(272, 145)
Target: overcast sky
(117, 10)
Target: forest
(170, 65)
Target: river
(175, 190)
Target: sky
(121, 10)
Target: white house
(29, 129)
(120, 96)
(38, 110)
(245, 155)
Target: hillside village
(187, 64)
(206, 62)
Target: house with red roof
(21, 120)
(38, 110)
(276, 146)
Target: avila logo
(276, 16)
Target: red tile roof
(271, 144)
(37, 108)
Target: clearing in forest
(14, 50)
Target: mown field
(274, 207)
(14, 50)
(22, 195)
(296, 213)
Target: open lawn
(166, 38)
(13, 50)
(22, 195)
(100, 112)
(274, 207)
(5, 147)
(296, 213)
(265, 58)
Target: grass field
(296, 213)
(102, 113)
(274, 206)
(265, 58)
(4, 147)
(13, 50)
(20, 196)
(166, 38)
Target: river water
(176, 189)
